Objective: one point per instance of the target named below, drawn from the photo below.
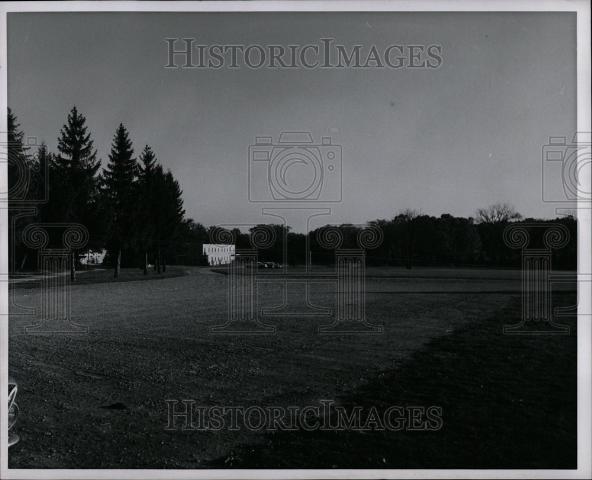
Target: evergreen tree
(146, 205)
(168, 216)
(19, 161)
(175, 212)
(118, 193)
(73, 194)
(37, 191)
(148, 160)
(19, 168)
(43, 160)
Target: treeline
(409, 239)
(132, 207)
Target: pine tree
(159, 219)
(76, 165)
(41, 163)
(174, 213)
(118, 192)
(169, 214)
(146, 204)
(43, 159)
(74, 182)
(148, 160)
(19, 167)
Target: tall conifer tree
(118, 190)
(147, 203)
(73, 193)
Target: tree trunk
(145, 263)
(164, 264)
(73, 267)
(158, 261)
(117, 264)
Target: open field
(98, 400)
(99, 275)
(497, 394)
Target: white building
(93, 257)
(218, 253)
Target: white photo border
(584, 340)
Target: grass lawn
(98, 400)
(507, 402)
(102, 275)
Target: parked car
(269, 265)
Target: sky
(448, 140)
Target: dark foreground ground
(98, 400)
(507, 402)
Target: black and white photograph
(295, 239)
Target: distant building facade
(93, 257)
(218, 253)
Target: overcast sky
(446, 140)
